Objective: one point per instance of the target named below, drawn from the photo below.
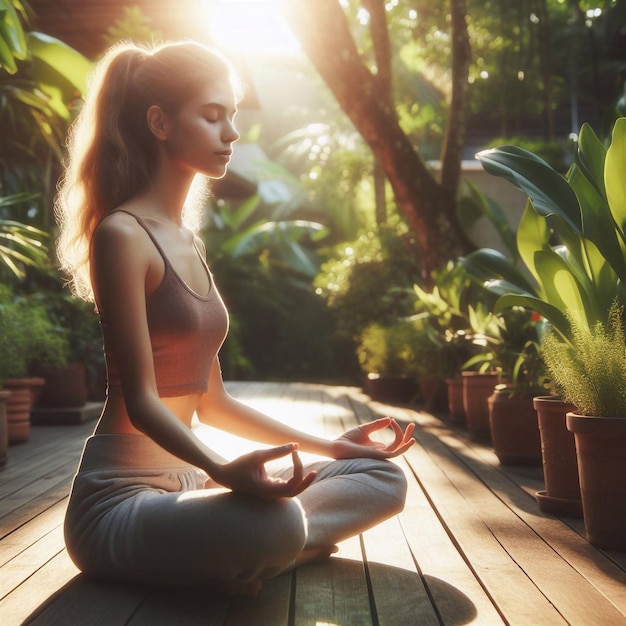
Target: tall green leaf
(614, 173)
(547, 189)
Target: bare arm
(219, 409)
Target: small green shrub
(590, 372)
(389, 350)
(27, 334)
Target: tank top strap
(143, 225)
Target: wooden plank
(30, 532)
(35, 593)
(87, 603)
(399, 593)
(333, 591)
(39, 486)
(577, 600)
(270, 608)
(37, 505)
(29, 560)
(450, 492)
(190, 606)
(457, 593)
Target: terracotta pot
(4, 428)
(601, 453)
(19, 404)
(435, 394)
(558, 455)
(401, 389)
(477, 387)
(63, 388)
(455, 399)
(514, 429)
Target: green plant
(389, 350)
(589, 371)
(585, 211)
(27, 334)
(21, 245)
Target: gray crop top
(186, 332)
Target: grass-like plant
(590, 371)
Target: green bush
(389, 350)
(27, 334)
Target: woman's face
(201, 134)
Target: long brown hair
(111, 150)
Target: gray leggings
(138, 514)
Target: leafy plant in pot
(387, 357)
(584, 214)
(590, 372)
(29, 335)
(443, 311)
(71, 383)
(512, 417)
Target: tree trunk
(428, 206)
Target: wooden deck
(471, 545)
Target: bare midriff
(115, 419)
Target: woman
(151, 502)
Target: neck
(166, 193)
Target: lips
(224, 153)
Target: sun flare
(251, 25)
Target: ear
(158, 122)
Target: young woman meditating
(150, 501)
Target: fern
(590, 372)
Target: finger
(277, 452)
(398, 435)
(289, 489)
(378, 424)
(297, 466)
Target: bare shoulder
(119, 234)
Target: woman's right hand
(246, 474)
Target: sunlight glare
(252, 25)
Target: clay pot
(455, 399)
(64, 388)
(477, 388)
(24, 392)
(4, 428)
(558, 455)
(514, 429)
(435, 394)
(601, 454)
(400, 389)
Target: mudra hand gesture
(357, 443)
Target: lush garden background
(350, 207)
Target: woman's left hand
(357, 443)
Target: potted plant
(584, 214)
(387, 357)
(561, 495)
(82, 376)
(512, 417)
(31, 336)
(590, 372)
(444, 311)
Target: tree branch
(454, 141)
(382, 45)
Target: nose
(230, 133)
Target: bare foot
(315, 554)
